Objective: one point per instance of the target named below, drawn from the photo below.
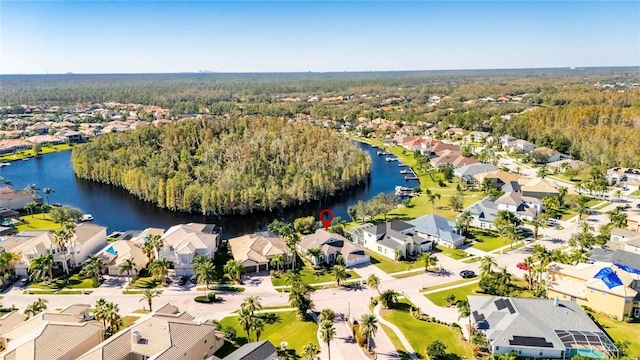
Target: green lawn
(620, 331)
(452, 253)
(30, 153)
(286, 327)
(486, 240)
(395, 341)
(145, 283)
(456, 282)
(604, 205)
(421, 333)
(73, 282)
(438, 298)
(37, 222)
(128, 320)
(390, 266)
(472, 260)
(311, 276)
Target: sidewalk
(399, 334)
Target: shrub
(230, 333)
(207, 299)
(436, 350)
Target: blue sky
(282, 36)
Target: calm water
(116, 209)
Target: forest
(593, 114)
(228, 166)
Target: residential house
(622, 235)
(165, 334)
(455, 159)
(558, 167)
(454, 133)
(330, 245)
(261, 350)
(625, 177)
(538, 188)
(66, 334)
(522, 146)
(441, 231)
(13, 199)
(10, 320)
(467, 172)
(183, 242)
(551, 155)
(116, 253)
(498, 178)
(415, 144)
(10, 146)
(12, 134)
(539, 328)
(395, 239)
(255, 251)
(45, 139)
(611, 289)
(435, 148)
(39, 128)
(524, 207)
(483, 214)
(87, 240)
(70, 135)
(506, 139)
(478, 136)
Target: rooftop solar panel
(530, 341)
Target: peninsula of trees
(225, 166)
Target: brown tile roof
(10, 321)
(258, 247)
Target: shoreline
(28, 154)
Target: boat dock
(391, 159)
(407, 178)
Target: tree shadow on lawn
(270, 318)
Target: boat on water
(27, 158)
(404, 171)
(382, 152)
(86, 217)
(4, 164)
(391, 159)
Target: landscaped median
(57, 292)
(310, 277)
(421, 333)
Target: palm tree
(327, 332)
(327, 314)
(205, 272)
(463, 221)
(245, 319)
(159, 268)
(486, 264)
(510, 232)
(29, 207)
(368, 327)
(618, 217)
(32, 189)
(581, 209)
(310, 352)
(148, 296)
(528, 261)
(257, 325)
(278, 261)
(292, 278)
(234, 269)
(374, 282)
(315, 255)
(127, 266)
(540, 221)
(388, 298)
(93, 266)
(48, 191)
(62, 239)
(149, 250)
(464, 311)
(7, 259)
(428, 260)
(292, 240)
(35, 307)
(251, 304)
(112, 318)
(45, 208)
(42, 266)
(340, 274)
(99, 312)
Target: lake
(116, 209)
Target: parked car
(637, 206)
(193, 280)
(467, 274)
(183, 280)
(522, 266)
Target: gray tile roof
(473, 169)
(253, 351)
(511, 321)
(485, 210)
(437, 226)
(618, 256)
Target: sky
(287, 36)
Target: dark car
(637, 206)
(467, 274)
(193, 280)
(183, 280)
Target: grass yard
(279, 327)
(421, 333)
(128, 320)
(395, 341)
(145, 283)
(36, 222)
(602, 206)
(438, 298)
(621, 331)
(472, 260)
(311, 276)
(486, 240)
(390, 266)
(456, 282)
(73, 282)
(30, 153)
(452, 253)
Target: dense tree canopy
(225, 166)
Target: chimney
(135, 337)
(556, 301)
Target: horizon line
(320, 72)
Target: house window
(379, 248)
(497, 348)
(541, 353)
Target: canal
(116, 209)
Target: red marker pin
(326, 220)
